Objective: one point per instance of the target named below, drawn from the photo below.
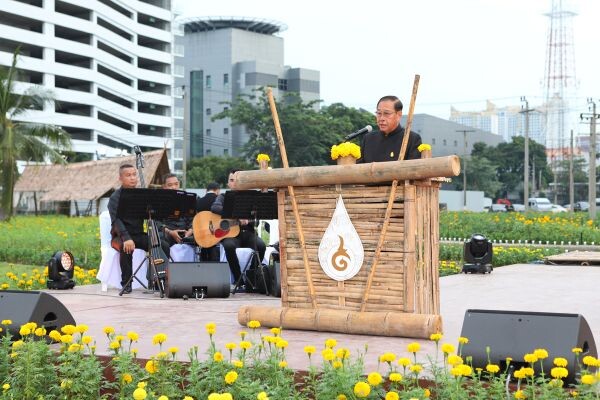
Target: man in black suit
(204, 203)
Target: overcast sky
(466, 51)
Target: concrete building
(504, 121)
(447, 137)
(108, 62)
(226, 57)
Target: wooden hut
(395, 293)
(77, 188)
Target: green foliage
(308, 134)
(481, 175)
(33, 240)
(24, 140)
(202, 171)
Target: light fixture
(61, 267)
(477, 255)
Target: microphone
(137, 150)
(359, 132)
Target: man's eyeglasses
(385, 114)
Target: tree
(202, 171)
(308, 134)
(481, 175)
(24, 140)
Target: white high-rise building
(108, 62)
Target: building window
(208, 132)
(179, 70)
(208, 151)
(225, 108)
(225, 131)
(225, 79)
(432, 141)
(444, 143)
(208, 81)
(178, 112)
(282, 84)
(456, 143)
(225, 152)
(208, 111)
(179, 50)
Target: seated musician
(173, 230)
(204, 203)
(246, 238)
(127, 234)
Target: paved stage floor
(521, 287)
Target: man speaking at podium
(385, 144)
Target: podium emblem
(341, 252)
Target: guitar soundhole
(224, 225)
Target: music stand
(252, 205)
(151, 204)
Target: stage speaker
(274, 279)
(197, 279)
(516, 333)
(22, 307)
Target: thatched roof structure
(88, 180)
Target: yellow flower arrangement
(345, 149)
(263, 157)
(422, 147)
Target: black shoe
(127, 289)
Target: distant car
(518, 207)
(539, 204)
(581, 206)
(498, 208)
(557, 208)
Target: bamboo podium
(401, 296)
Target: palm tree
(23, 140)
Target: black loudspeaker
(516, 333)
(274, 279)
(39, 307)
(197, 279)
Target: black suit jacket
(204, 203)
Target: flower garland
(423, 147)
(345, 149)
(263, 157)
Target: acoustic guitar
(209, 228)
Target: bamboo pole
(284, 160)
(388, 210)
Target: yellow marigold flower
(237, 363)
(185, 398)
(173, 350)
(119, 338)
(345, 149)
(6, 386)
(159, 338)
(519, 374)
(66, 338)
(576, 350)
(456, 371)
(74, 347)
(134, 351)
(262, 396)
(163, 397)
(218, 356)
(395, 377)
(436, 337)
(24, 331)
(230, 346)
(280, 343)
(463, 340)
(342, 353)
(6, 322)
(82, 328)
(426, 393)
(387, 357)
(276, 331)
(54, 335)
(337, 364)
(86, 339)
(214, 396)
(455, 360)
(151, 366)
(40, 332)
(362, 389)
(492, 368)
(309, 349)
(108, 330)
(210, 327)
(422, 147)
(528, 371)
(405, 362)
(253, 324)
(589, 361)
(559, 372)
(139, 394)
(127, 378)
(560, 362)
(68, 329)
(341, 397)
(413, 347)
(283, 364)
(263, 157)
(245, 345)
(231, 377)
(448, 348)
(520, 395)
(541, 353)
(17, 344)
(588, 379)
(328, 354)
(374, 378)
(530, 358)
(330, 343)
(416, 368)
(465, 370)
(392, 396)
(133, 336)
(114, 345)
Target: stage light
(61, 267)
(477, 255)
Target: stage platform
(521, 287)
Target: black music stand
(151, 204)
(252, 205)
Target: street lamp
(526, 110)
(464, 131)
